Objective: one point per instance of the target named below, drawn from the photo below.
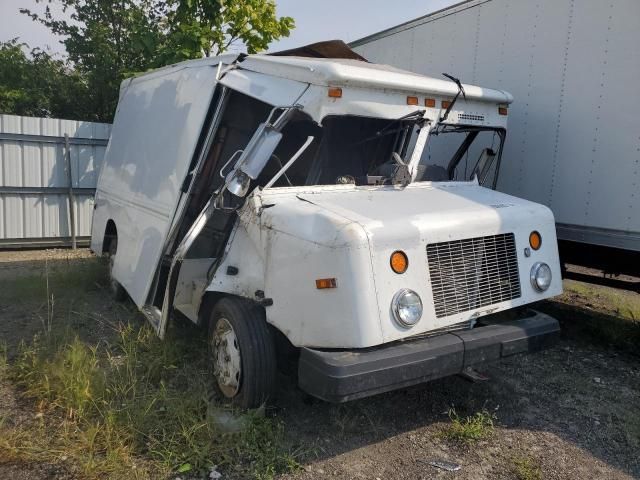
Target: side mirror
(258, 151)
(252, 159)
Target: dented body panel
(349, 233)
(139, 184)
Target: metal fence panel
(34, 187)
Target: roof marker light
(412, 100)
(445, 103)
(430, 102)
(503, 110)
(323, 283)
(335, 92)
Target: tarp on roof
(327, 49)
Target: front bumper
(339, 376)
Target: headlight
(540, 276)
(406, 307)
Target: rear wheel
(242, 353)
(117, 290)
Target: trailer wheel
(242, 353)
(117, 290)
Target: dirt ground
(35, 262)
(570, 412)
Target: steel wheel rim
(227, 366)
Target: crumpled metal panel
(33, 178)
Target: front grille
(472, 273)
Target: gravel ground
(570, 412)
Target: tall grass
(126, 405)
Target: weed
(127, 405)
(261, 441)
(526, 468)
(469, 429)
(68, 377)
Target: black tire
(117, 291)
(258, 373)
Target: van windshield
(346, 149)
(365, 151)
(458, 152)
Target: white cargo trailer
(574, 128)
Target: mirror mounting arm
(258, 151)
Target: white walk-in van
(326, 209)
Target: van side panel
(155, 132)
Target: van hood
(349, 233)
(439, 211)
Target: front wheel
(242, 353)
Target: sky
(316, 20)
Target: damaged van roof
(340, 72)
(356, 73)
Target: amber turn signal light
(335, 92)
(323, 283)
(399, 262)
(535, 240)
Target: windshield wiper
(416, 116)
(452, 103)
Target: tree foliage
(109, 40)
(40, 85)
(210, 27)
(106, 41)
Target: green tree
(110, 40)
(210, 27)
(40, 85)
(106, 41)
